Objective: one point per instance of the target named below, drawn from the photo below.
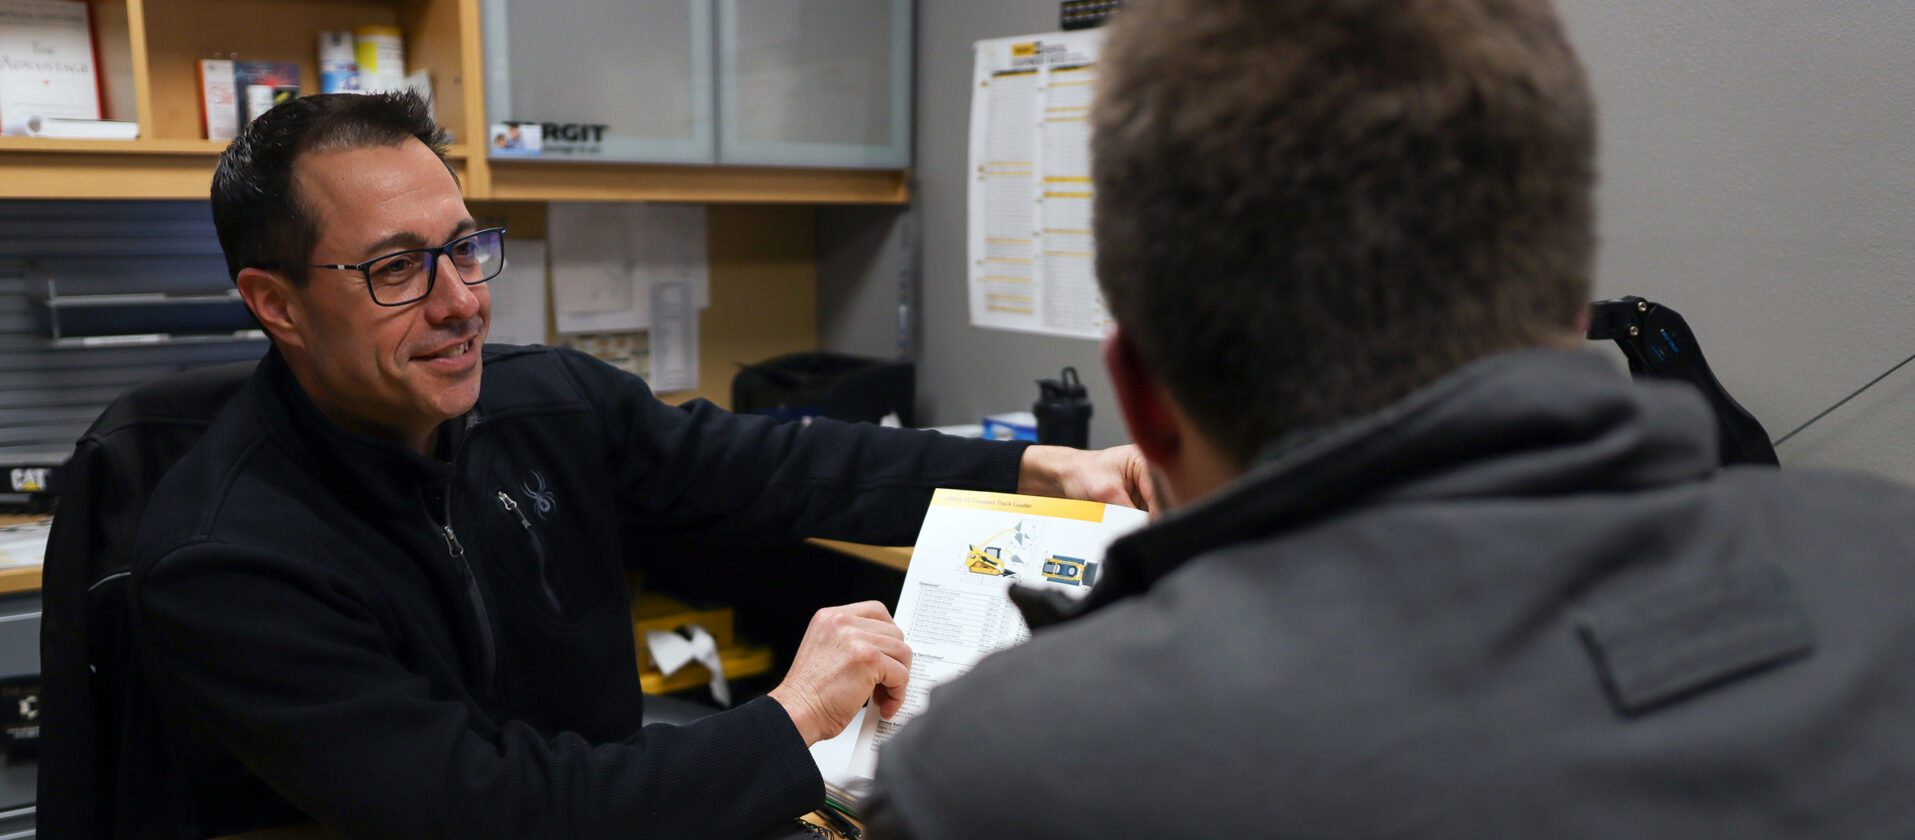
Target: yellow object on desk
(652, 611)
(739, 661)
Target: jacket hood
(1527, 423)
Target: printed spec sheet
(955, 609)
(1030, 249)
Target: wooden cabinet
(149, 49)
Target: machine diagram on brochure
(1004, 553)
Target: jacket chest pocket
(550, 560)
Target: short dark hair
(262, 222)
(1307, 209)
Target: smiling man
(399, 370)
(387, 590)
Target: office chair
(104, 770)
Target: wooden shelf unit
(148, 60)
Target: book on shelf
(219, 104)
(47, 64)
(259, 85)
(338, 68)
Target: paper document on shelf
(955, 608)
(607, 256)
(1032, 258)
(81, 129)
(674, 345)
(518, 295)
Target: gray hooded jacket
(1521, 603)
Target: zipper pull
(452, 543)
(538, 550)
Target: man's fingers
(863, 609)
(1143, 484)
(887, 702)
(873, 628)
(892, 679)
(894, 650)
(848, 614)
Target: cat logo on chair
(30, 479)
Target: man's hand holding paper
(845, 653)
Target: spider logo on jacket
(541, 496)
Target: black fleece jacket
(400, 646)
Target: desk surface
(896, 556)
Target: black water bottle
(1063, 411)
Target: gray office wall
(863, 261)
(964, 373)
(1758, 165)
(1758, 162)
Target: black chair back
(104, 771)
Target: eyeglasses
(402, 277)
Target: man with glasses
(402, 277)
(382, 596)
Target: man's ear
(1146, 407)
(275, 304)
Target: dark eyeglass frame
(432, 265)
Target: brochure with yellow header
(955, 609)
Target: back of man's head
(1307, 209)
(256, 206)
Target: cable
(1844, 401)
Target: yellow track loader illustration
(988, 559)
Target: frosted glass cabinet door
(815, 82)
(616, 80)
